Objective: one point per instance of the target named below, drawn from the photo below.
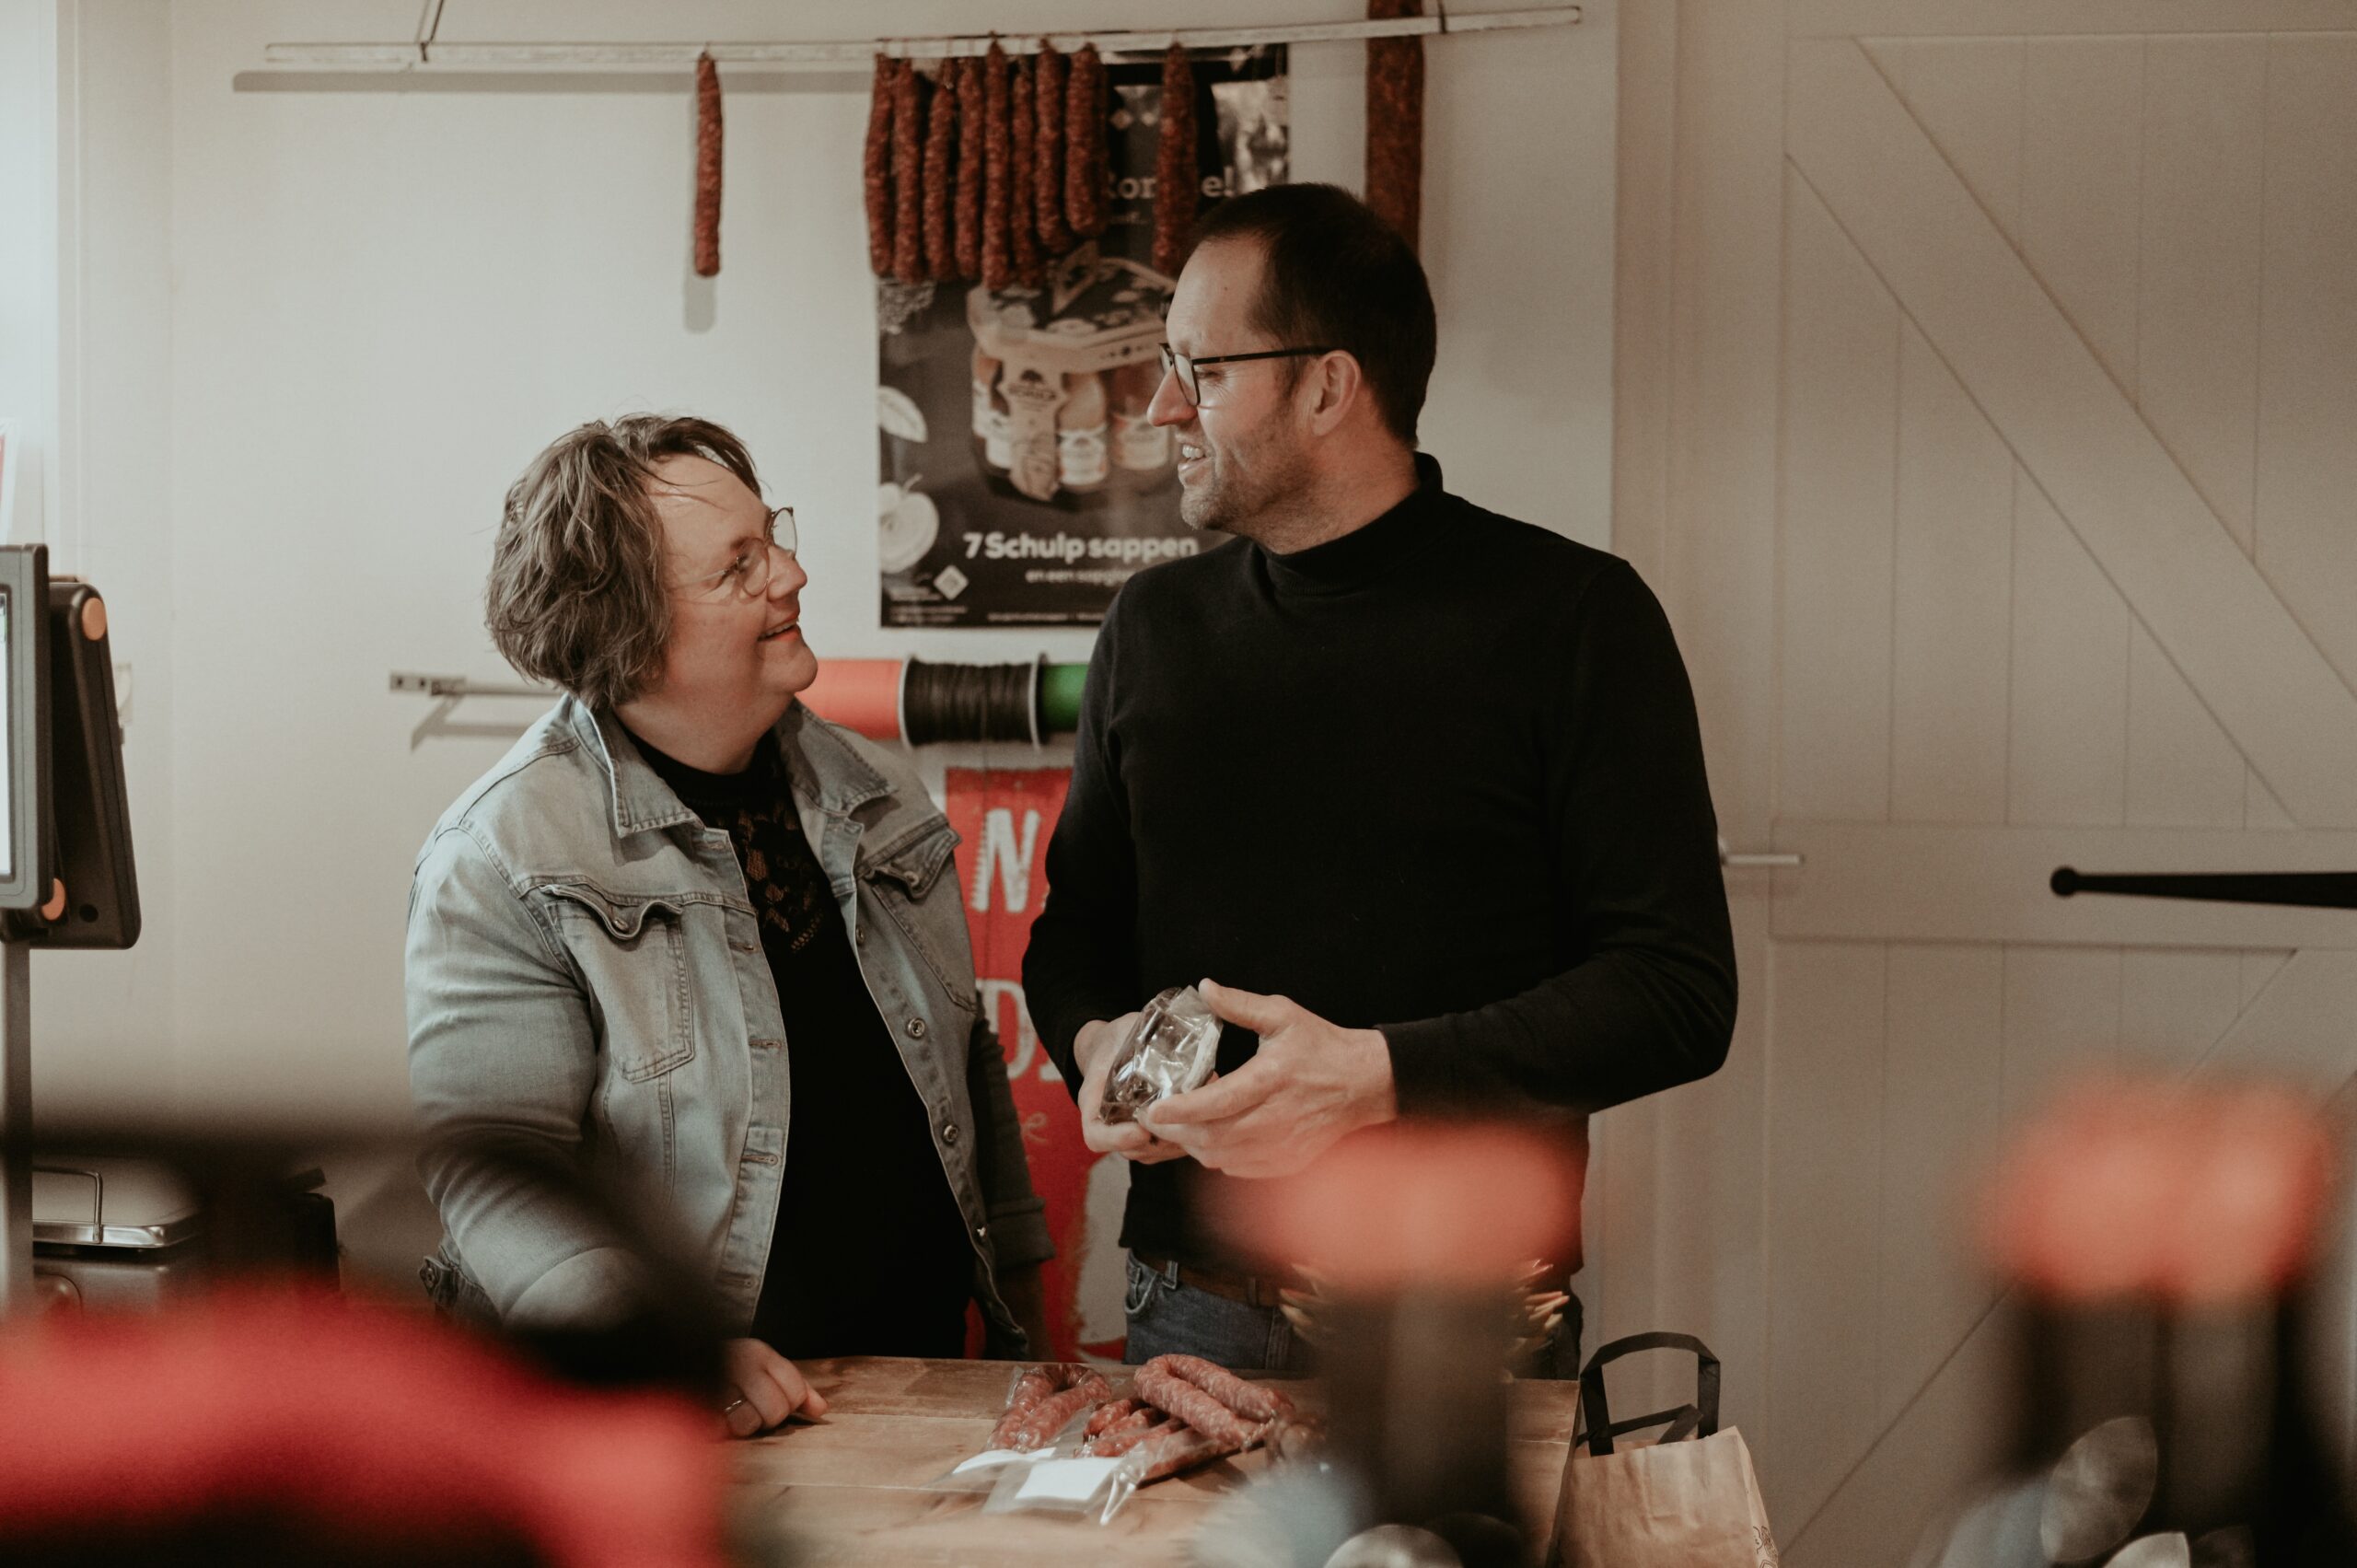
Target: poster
(1003, 822)
(1021, 481)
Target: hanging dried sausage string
(1175, 177)
(707, 220)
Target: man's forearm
(1613, 1028)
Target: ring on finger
(733, 1406)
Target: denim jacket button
(916, 1028)
(949, 1133)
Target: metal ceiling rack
(426, 52)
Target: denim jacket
(586, 983)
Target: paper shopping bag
(1686, 1499)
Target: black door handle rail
(2310, 890)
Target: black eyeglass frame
(1192, 391)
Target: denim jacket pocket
(906, 878)
(917, 858)
(632, 951)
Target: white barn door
(2001, 481)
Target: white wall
(382, 302)
(28, 236)
(85, 271)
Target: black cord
(968, 702)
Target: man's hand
(1093, 1048)
(765, 1389)
(1020, 1288)
(1311, 1084)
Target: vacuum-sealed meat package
(1169, 1050)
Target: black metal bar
(2310, 890)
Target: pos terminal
(66, 878)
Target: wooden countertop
(858, 1488)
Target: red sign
(1005, 820)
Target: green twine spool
(1059, 687)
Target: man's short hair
(576, 593)
(1336, 275)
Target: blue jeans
(1167, 1316)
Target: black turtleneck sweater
(1439, 776)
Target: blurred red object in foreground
(1423, 1204)
(2197, 1196)
(379, 1425)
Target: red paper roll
(858, 693)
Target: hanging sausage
(940, 176)
(908, 186)
(1023, 232)
(1085, 155)
(1176, 181)
(971, 141)
(1395, 121)
(876, 164)
(707, 222)
(1049, 83)
(998, 157)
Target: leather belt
(1250, 1289)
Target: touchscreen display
(7, 773)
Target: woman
(689, 935)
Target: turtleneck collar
(1367, 553)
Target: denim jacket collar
(825, 772)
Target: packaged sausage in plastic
(1047, 1412)
(1169, 1050)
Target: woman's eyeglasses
(747, 576)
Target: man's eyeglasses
(1184, 368)
(747, 576)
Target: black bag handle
(1700, 1418)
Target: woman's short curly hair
(576, 592)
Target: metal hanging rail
(425, 52)
(460, 686)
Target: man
(1417, 787)
(692, 938)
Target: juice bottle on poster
(1139, 445)
(993, 431)
(1083, 460)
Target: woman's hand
(765, 1388)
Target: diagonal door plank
(2080, 439)
(2296, 1029)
